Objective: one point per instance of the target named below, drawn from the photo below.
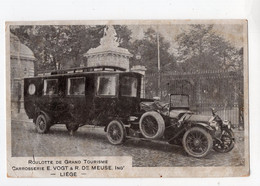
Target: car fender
(204, 125)
(230, 130)
(117, 119)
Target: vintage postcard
(127, 98)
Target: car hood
(177, 113)
(189, 116)
(199, 118)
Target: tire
(152, 125)
(197, 142)
(72, 127)
(227, 142)
(42, 124)
(116, 133)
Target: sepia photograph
(136, 98)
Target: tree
(146, 54)
(200, 48)
(53, 45)
(123, 36)
(63, 46)
(146, 49)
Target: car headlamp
(227, 123)
(214, 124)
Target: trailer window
(31, 89)
(50, 87)
(76, 86)
(106, 85)
(129, 86)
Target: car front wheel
(116, 133)
(197, 142)
(226, 143)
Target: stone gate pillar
(108, 53)
(140, 69)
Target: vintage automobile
(109, 97)
(178, 125)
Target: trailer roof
(83, 71)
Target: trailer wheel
(72, 127)
(42, 123)
(116, 133)
(152, 125)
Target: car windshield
(180, 101)
(128, 86)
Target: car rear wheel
(116, 133)
(197, 142)
(42, 124)
(152, 125)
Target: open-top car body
(175, 123)
(111, 98)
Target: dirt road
(88, 141)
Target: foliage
(63, 46)
(146, 50)
(200, 48)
